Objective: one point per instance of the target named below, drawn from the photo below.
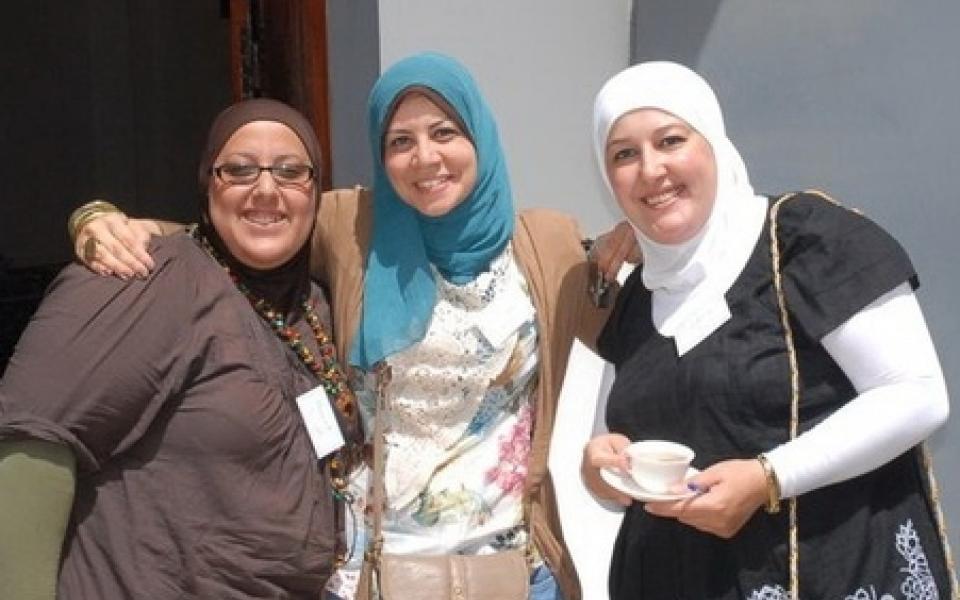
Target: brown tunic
(196, 478)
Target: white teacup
(657, 465)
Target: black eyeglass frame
(311, 173)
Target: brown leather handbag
(498, 576)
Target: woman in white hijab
(702, 359)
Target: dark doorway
(111, 99)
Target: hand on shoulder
(113, 244)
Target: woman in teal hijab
(400, 287)
(462, 297)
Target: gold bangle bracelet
(773, 485)
(85, 213)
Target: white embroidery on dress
(769, 592)
(918, 585)
(863, 594)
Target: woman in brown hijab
(175, 435)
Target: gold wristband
(773, 485)
(85, 213)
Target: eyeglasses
(284, 175)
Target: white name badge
(321, 422)
(503, 317)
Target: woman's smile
(434, 184)
(263, 218)
(430, 161)
(663, 199)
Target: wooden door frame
(278, 49)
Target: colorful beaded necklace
(331, 375)
(327, 369)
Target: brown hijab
(286, 284)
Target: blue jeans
(543, 586)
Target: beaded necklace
(326, 368)
(331, 375)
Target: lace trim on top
(439, 383)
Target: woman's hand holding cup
(605, 451)
(736, 489)
(658, 466)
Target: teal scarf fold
(399, 290)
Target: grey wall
(539, 64)
(354, 61)
(857, 98)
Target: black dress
(729, 397)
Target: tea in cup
(657, 465)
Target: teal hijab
(399, 290)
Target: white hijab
(688, 280)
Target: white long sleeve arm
(886, 352)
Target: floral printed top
(458, 426)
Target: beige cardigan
(547, 248)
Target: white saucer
(623, 482)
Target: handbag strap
(934, 490)
(383, 375)
(926, 458)
(794, 554)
